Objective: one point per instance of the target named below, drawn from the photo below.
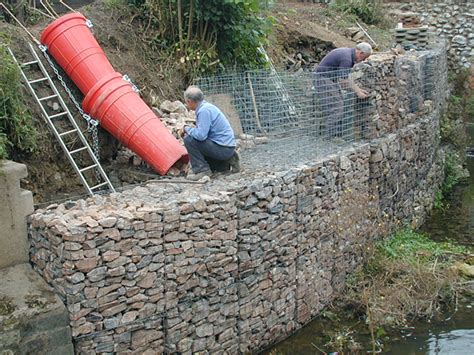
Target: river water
(452, 334)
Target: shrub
(408, 277)
(369, 11)
(16, 127)
(202, 34)
(452, 172)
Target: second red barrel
(124, 114)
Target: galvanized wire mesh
(304, 114)
(282, 106)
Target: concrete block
(16, 205)
(33, 320)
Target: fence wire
(307, 114)
(303, 113)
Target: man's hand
(181, 132)
(362, 94)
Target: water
(452, 334)
(457, 222)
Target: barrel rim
(87, 103)
(58, 22)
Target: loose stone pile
(414, 37)
(242, 261)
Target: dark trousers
(207, 155)
(331, 103)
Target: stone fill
(239, 263)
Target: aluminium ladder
(100, 179)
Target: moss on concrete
(6, 306)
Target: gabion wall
(243, 261)
(452, 20)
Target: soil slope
(310, 29)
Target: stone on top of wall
(241, 262)
(453, 20)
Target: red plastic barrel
(124, 114)
(73, 46)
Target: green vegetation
(438, 203)
(415, 248)
(408, 277)
(203, 34)
(6, 306)
(16, 127)
(369, 11)
(452, 126)
(453, 173)
(459, 110)
(112, 4)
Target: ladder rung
(47, 97)
(29, 63)
(37, 80)
(100, 185)
(58, 115)
(88, 168)
(67, 132)
(77, 150)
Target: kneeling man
(212, 140)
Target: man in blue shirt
(332, 79)
(211, 140)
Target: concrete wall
(33, 320)
(32, 317)
(243, 261)
(16, 205)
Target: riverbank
(345, 328)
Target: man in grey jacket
(332, 76)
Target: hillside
(301, 30)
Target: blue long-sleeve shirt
(211, 123)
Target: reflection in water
(457, 222)
(453, 342)
(453, 337)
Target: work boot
(202, 176)
(235, 163)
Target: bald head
(193, 96)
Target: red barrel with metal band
(71, 43)
(109, 98)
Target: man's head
(363, 51)
(193, 96)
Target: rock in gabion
(449, 19)
(241, 262)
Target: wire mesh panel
(307, 114)
(294, 111)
